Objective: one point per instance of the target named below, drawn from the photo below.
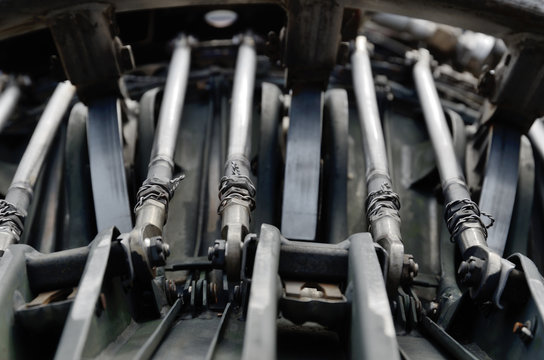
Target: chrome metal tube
(8, 101)
(242, 99)
(20, 191)
(382, 203)
(161, 164)
(453, 181)
(367, 106)
(236, 190)
(439, 133)
(153, 197)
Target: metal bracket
(93, 58)
(74, 335)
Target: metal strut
(482, 270)
(158, 189)
(14, 208)
(236, 190)
(382, 203)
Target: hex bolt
(216, 253)
(470, 271)
(157, 251)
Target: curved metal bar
(20, 191)
(15, 206)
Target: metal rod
(154, 340)
(260, 332)
(372, 330)
(14, 208)
(382, 203)
(157, 190)
(22, 185)
(8, 101)
(236, 191)
(369, 118)
(439, 133)
(220, 331)
(481, 268)
(162, 155)
(451, 175)
(242, 99)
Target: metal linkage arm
(372, 330)
(13, 209)
(482, 268)
(260, 334)
(158, 188)
(236, 191)
(382, 204)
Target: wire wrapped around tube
(380, 203)
(157, 189)
(461, 213)
(11, 218)
(237, 189)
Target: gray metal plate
(111, 203)
(302, 168)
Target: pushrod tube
(448, 167)
(157, 190)
(8, 101)
(453, 182)
(369, 118)
(242, 99)
(22, 185)
(382, 203)
(21, 189)
(162, 154)
(236, 191)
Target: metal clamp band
(157, 189)
(11, 218)
(236, 189)
(460, 213)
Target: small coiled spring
(460, 213)
(237, 189)
(157, 189)
(11, 218)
